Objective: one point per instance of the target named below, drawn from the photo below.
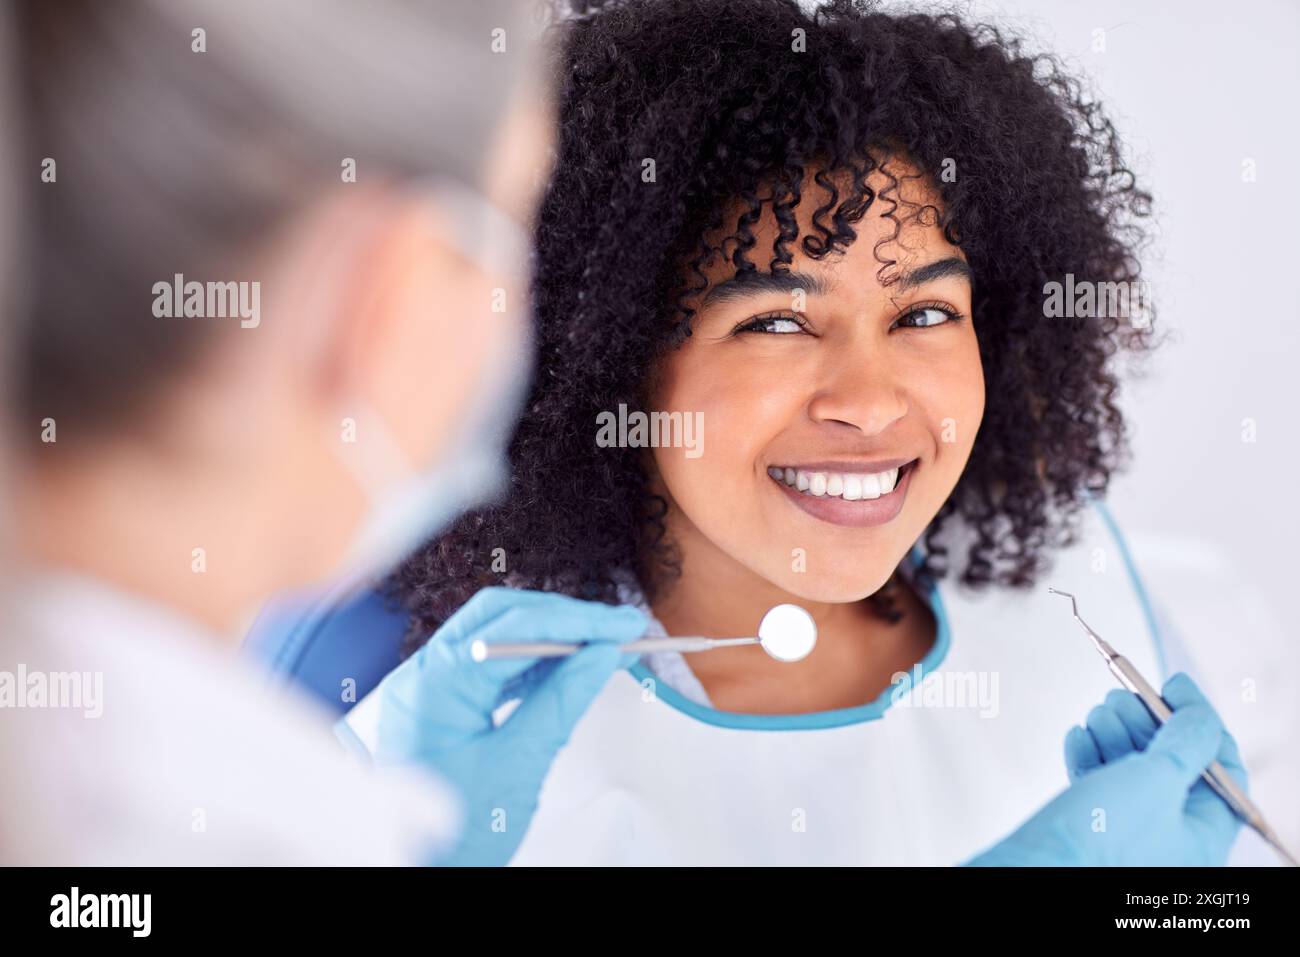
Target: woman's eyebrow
(757, 283)
(939, 269)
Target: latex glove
(436, 707)
(1145, 780)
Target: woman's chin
(824, 588)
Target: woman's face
(838, 413)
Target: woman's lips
(862, 513)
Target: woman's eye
(923, 318)
(781, 325)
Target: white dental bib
(650, 777)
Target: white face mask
(408, 506)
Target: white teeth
(850, 486)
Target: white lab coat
(195, 759)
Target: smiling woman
(838, 265)
(841, 255)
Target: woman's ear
(420, 323)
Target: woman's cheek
(736, 401)
(954, 410)
(740, 411)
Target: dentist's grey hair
(176, 151)
(11, 216)
(11, 295)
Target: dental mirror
(787, 633)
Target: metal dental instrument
(787, 633)
(482, 650)
(1216, 776)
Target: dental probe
(1216, 776)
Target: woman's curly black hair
(737, 101)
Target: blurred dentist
(275, 335)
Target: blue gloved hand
(436, 707)
(1136, 795)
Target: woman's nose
(859, 393)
